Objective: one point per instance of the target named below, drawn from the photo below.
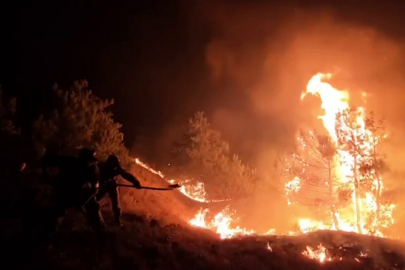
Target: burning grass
(147, 243)
(353, 171)
(347, 162)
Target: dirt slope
(172, 206)
(148, 244)
(156, 235)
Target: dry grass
(156, 236)
(145, 243)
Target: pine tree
(361, 139)
(7, 111)
(375, 167)
(206, 157)
(81, 119)
(351, 138)
(313, 164)
(10, 139)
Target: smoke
(261, 56)
(258, 58)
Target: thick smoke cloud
(261, 57)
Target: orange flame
(195, 192)
(222, 221)
(321, 255)
(317, 254)
(333, 102)
(221, 224)
(363, 207)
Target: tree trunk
(377, 201)
(332, 206)
(356, 197)
(377, 214)
(378, 175)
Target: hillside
(147, 244)
(156, 235)
(172, 206)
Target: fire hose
(170, 187)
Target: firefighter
(109, 171)
(76, 185)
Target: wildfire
(221, 223)
(355, 153)
(355, 145)
(292, 186)
(333, 101)
(321, 254)
(317, 254)
(308, 225)
(195, 192)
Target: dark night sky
(150, 56)
(141, 53)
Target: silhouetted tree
(7, 110)
(11, 143)
(81, 119)
(206, 157)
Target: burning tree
(376, 168)
(358, 140)
(312, 166)
(348, 162)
